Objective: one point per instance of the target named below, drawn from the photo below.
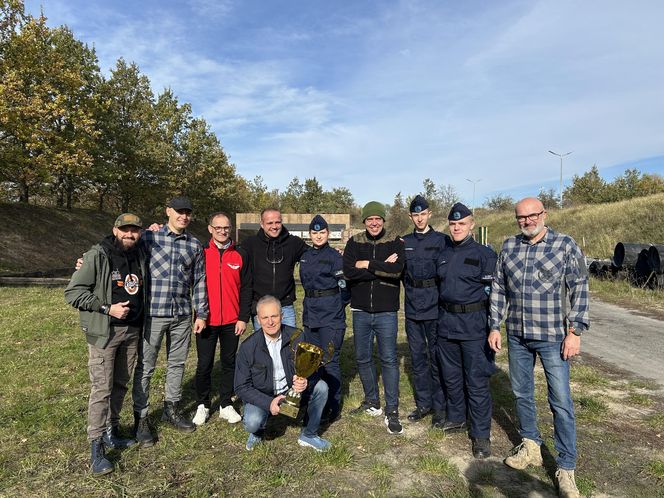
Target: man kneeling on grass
(108, 291)
(264, 372)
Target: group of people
(137, 287)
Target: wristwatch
(104, 309)
(574, 331)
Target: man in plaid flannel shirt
(177, 280)
(540, 290)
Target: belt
(463, 308)
(321, 293)
(421, 284)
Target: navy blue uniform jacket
(422, 253)
(465, 273)
(322, 269)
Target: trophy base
(288, 409)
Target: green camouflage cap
(127, 219)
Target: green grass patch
(656, 421)
(591, 407)
(437, 465)
(639, 399)
(587, 376)
(655, 469)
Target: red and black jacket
(228, 280)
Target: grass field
(44, 452)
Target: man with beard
(108, 290)
(540, 290)
(273, 253)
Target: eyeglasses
(221, 229)
(531, 217)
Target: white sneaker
(228, 413)
(202, 414)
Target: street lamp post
(474, 182)
(561, 173)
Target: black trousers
(206, 345)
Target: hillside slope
(598, 228)
(46, 238)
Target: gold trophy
(307, 358)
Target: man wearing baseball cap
(177, 289)
(108, 290)
(372, 267)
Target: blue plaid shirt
(542, 287)
(177, 274)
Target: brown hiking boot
(566, 484)
(524, 454)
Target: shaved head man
(540, 291)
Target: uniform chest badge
(116, 275)
(233, 267)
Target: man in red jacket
(229, 294)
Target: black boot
(172, 416)
(142, 431)
(481, 448)
(113, 440)
(98, 462)
(438, 420)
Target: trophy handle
(330, 352)
(293, 337)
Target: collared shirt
(542, 287)
(177, 274)
(279, 374)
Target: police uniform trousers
(467, 366)
(331, 371)
(426, 375)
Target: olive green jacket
(90, 287)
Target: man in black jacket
(264, 372)
(372, 267)
(273, 253)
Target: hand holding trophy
(307, 358)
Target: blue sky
(376, 96)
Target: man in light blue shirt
(264, 371)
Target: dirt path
(627, 339)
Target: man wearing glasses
(228, 282)
(273, 253)
(540, 290)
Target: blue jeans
(287, 317)
(522, 354)
(382, 326)
(255, 417)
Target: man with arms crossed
(372, 267)
(540, 290)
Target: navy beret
(458, 212)
(318, 223)
(418, 204)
